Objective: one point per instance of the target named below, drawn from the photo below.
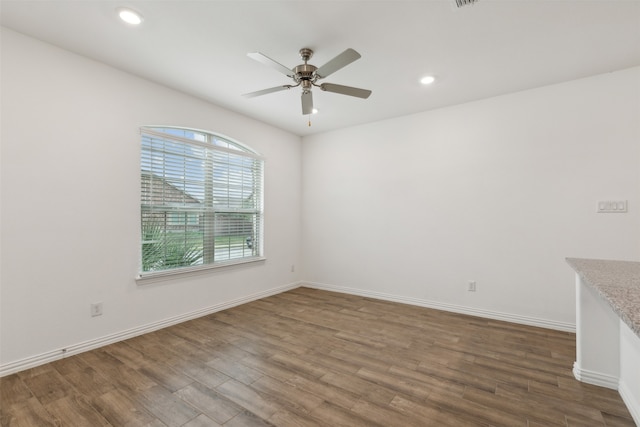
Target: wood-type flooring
(314, 358)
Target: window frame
(210, 144)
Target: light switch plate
(612, 206)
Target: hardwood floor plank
(434, 354)
(434, 384)
(268, 348)
(154, 350)
(202, 421)
(530, 400)
(49, 386)
(38, 370)
(363, 360)
(204, 374)
(329, 363)
(489, 374)
(336, 416)
(166, 376)
(75, 411)
(194, 333)
(362, 388)
(384, 415)
(167, 407)
(289, 397)
(516, 370)
(570, 390)
(209, 402)
(248, 398)
(284, 418)
(576, 422)
(516, 405)
(268, 367)
(407, 386)
(13, 390)
(26, 413)
(232, 369)
(118, 373)
(247, 419)
(330, 394)
(299, 365)
(443, 372)
(121, 410)
(85, 379)
(126, 354)
(360, 339)
(616, 421)
(229, 351)
(465, 408)
(432, 414)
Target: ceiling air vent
(461, 3)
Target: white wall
(70, 201)
(498, 191)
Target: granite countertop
(618, 282)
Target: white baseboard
(595, 378)
(50, 356)
(507, 317)
(633, 405)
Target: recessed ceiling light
(427, 80)
(314, 111)
(130, 16)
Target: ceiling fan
(307, 76)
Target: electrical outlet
(472, 286)
(96, 309)
(293, 268)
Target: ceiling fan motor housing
(304, 72)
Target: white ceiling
(199, 47)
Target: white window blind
(201, 200)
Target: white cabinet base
(607, 350)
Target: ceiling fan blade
(307, 102)
(263, 59)
(340, 61)
(346, 90)
(266, 91)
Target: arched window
(201, 201)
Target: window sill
(157, 276)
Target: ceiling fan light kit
(306, 76)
